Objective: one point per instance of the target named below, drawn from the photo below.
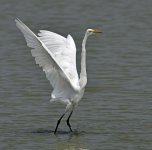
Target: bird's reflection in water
(72, 143)
(64, 140)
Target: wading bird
(57, 56)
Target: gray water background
(116, 110)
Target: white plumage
(57, 56)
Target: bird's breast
(78, 96)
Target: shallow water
(116, 110)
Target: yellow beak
(96, 31)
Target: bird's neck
(83, 73)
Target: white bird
(57, 56)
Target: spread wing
(57, 56)
(64, 52)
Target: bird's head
(93, 31)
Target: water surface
(116, 110)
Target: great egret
(57, 56)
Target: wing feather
(55, 72)
(64, 51)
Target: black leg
(68, 123)
(58, 123)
